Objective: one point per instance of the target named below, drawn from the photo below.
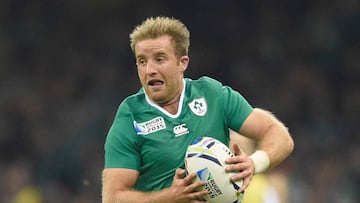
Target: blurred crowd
(66, 65)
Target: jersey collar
(163, 110)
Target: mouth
(155, 83)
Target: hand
(184, 189)
(242, 165)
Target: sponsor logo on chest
(150, 126)
(180, 130)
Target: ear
(184, 61)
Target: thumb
(237, 150)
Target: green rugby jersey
(146, 138)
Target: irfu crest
(198, 106)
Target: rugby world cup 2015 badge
(150, 126)
(210, 184)
(198, 106)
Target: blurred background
(66, 65)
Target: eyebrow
(160, 53)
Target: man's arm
(271, 135)
(274, 144)
(118, 186)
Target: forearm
(118, 184)
(276, 142)
(132, 196)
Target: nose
(150, 67)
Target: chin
(156, 98)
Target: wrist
(261, 161)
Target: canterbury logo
(180, 130)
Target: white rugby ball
(206, 157)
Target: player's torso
(164, 139)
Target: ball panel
(206, 157)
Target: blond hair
(153, 28)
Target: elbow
(290, 144)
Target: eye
(160, 59)
(141, 62)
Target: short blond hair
(153, 28)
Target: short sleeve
(236, 108)
(121, 148)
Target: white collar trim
(163, 110)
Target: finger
(191, 180)
(238, 155)
(240, 176)
(193, 185)
(237, 166)
(190, 177)
(245, 184)
(199, 201)
(180, 173)
(197, 194)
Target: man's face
(160, 71)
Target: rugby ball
(206, 157)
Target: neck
(172, 106)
